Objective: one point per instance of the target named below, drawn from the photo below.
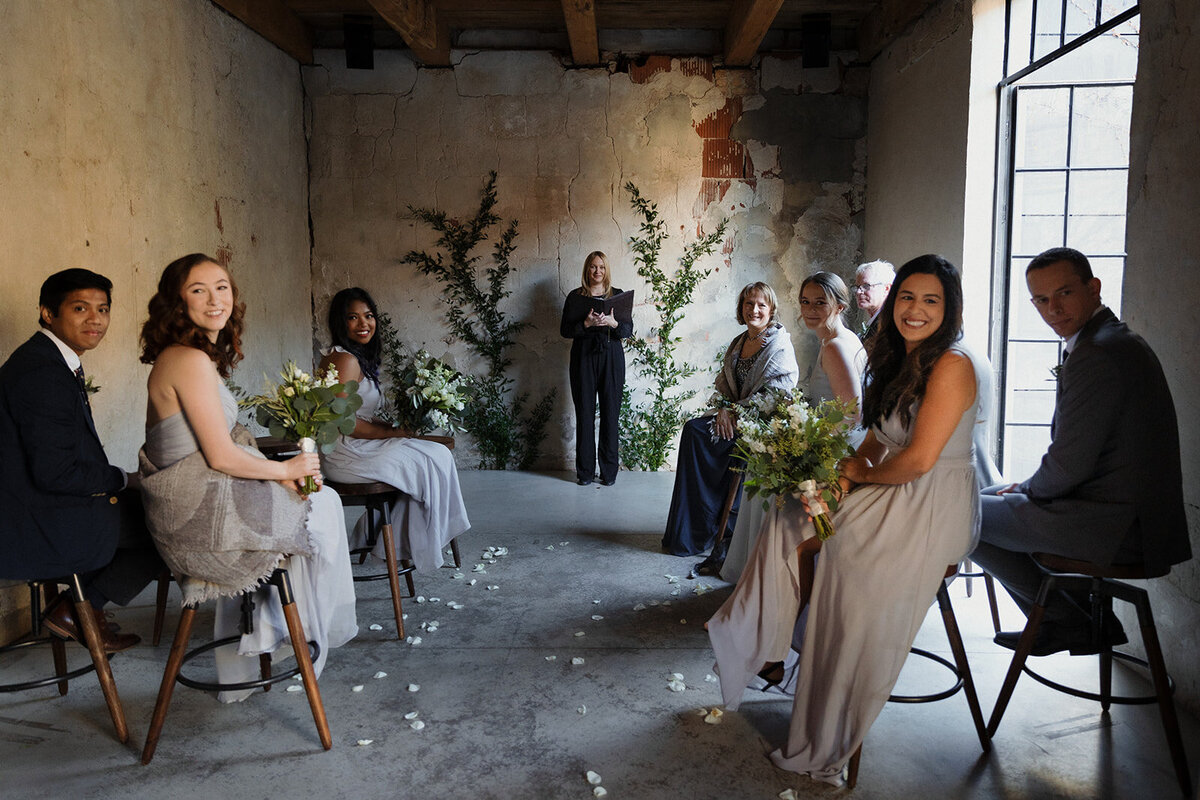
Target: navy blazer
(1111, 479)
(58, 504)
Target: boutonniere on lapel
(90, 386)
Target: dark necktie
(82, 386)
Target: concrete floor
(503, 720)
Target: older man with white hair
(872, 282)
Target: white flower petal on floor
(479, 568)
(582, 710)
(675, 593)
(417, 725)
(713, 717)
(600, 791)
(472, 582)
(453, 605)
(789, 794)
(435, 599)
(596, 602)
(420, 598)
(295, 687)
(549, 547)
(710, 678)
(375, 626)
(578, 634)
(412, 715)
(413, 640)
(672, 578)
(380, 674)
(675, 682)
(592, 777)
(640, 607)
(412, 687)
(493, 586)
(653, 602)
(357, 688)
(597, 617)
(364, 742)
(683, 622)
(702, 588)
(458, 576)
(576, 661)
(563, 544)
(552, 658)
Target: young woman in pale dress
(193, 340)
(431, 512)
(912, 509)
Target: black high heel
(772, 674)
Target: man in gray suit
(1110, 487)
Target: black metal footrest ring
(313, 648)
(40, 682)
(931, 698)
(1136, 700)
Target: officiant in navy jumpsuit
(597, 369)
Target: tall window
(1066, 109)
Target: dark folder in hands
(621, 305)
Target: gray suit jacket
(1111, 480)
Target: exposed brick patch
(652, 66)
(718, 124)
(711, 190)
(697, 66)
(723, 158)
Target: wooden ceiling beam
(884, 23)
(580, 16)
(276, 23)
(417, 23)
(748, 23)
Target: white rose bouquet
(428, 395)
(793, 447)
(309, 410)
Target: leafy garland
(648, 430)
(506, 434)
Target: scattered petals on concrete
(576, 661)
(592, 777)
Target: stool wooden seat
(91, 640)
(960, 669)
(305, 652)
(1104, 583)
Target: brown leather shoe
(60, 620)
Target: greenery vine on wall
(648, 430)
(506, 432)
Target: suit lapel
(51, 352)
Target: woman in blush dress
(432, 512)
(193, 340)
(597, 369)
(836, 374)
(757, 360)
(912, 508)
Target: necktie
(82, 386)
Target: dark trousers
(135, 563)
(597, 370)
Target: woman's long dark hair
(169, 323)
(368, 355)
(896, 379)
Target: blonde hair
(585, 287)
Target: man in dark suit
(1110, 487)
(60, 500)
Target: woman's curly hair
(895, 378)
(169, 323)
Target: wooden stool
(305, 652)
(1104, 584)
(378, 498)
(969, 571)
(91, 640)
(961, 670)
(711, 565)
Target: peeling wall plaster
(790, 178)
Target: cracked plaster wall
(1163, 247)
(779, 151)
(133, 132)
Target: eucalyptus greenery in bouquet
(309, 410)
(428, 395)
(793, 447)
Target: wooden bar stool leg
(85, 618)
(300, 646)
(160, 605)
(964, 668)
(990, 586)
(389, 551)
(454, 550)
(167, 688)
(59, 649)
(852, 768)
(264, 669)
(1162, 688)
(1024, 646)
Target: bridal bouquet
(309, 410)
(793, 447)
(428, 395)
